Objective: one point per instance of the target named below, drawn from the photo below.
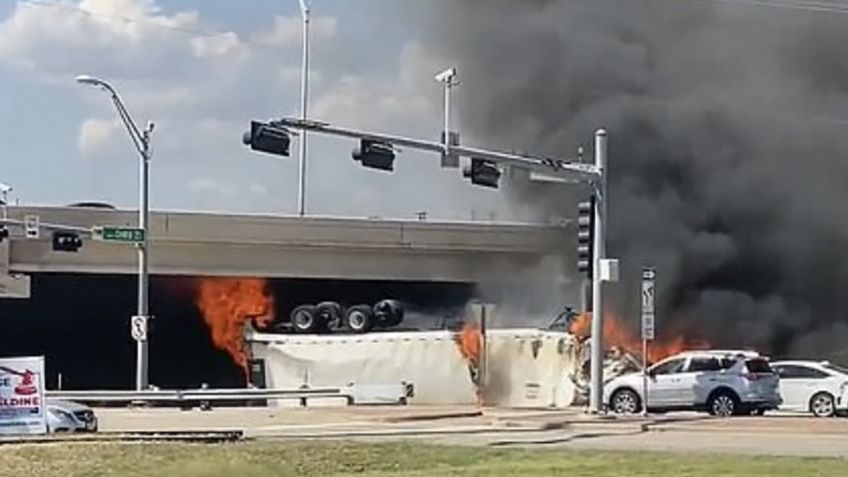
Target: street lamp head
(94, 81)
(89, 80)
(304, 7)
(447, 76)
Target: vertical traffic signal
(266, 138)
(375, 155)
(66, 242)
(586, 236)
(483, 173)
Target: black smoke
(729, 147)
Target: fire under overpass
(206, 244)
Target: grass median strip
(285, 458)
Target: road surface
(686, 433)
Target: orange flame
(470, 342)
(227, 304)
(616, 334)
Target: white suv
(723, 383)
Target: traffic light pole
(598, 253)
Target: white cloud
(219, 45)
(288, 31)
(201, 90)
(97, 136)
(207, 185)
(113, 38)
(398, 101)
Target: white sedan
(811, 386)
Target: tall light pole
(141, 140)
(304, 99)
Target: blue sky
(62, 143)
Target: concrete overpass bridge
(202, 244)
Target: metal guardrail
(353, 394)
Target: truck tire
(331, 315)
(306, 320)
(359, 319)
(389, 313)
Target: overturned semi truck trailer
(515, 367)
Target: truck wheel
(331, 315)
(389, 313)
(360, 319)
(305, 319)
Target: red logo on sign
(26, 386)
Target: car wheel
(723, 404)
(359, 319)
(305, 319)
(823, 405)
(625, 401)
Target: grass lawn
(279, 458)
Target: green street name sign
(119, 234)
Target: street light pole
(143, 309)
(599, 253)
(304, 100)
(141, 140)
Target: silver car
(68, 416)
(723, 383)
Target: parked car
(809, 386)
(723, 383)
(68, 416)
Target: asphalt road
(688, 433)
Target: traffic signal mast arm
(54, 227)
(552, 167)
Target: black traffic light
(586, 236)
(4, 233)
(375, 154)
(66, 242)
(482, 172)
(266, 138)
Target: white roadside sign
(22, 396)
(648, 296)
(138, 328)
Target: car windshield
(835, 368)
